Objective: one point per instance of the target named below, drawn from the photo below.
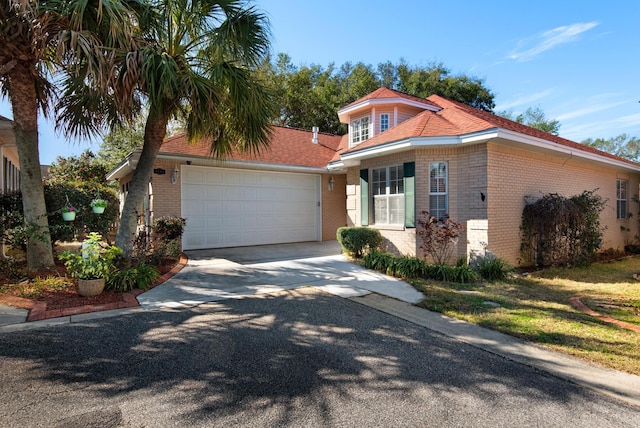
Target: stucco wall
(334, 205)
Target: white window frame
(384, 122)
(359, 130)
(436, 195)
(393, 190)
(622, 200)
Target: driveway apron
(233, 273)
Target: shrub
(141, 276)
(493, 269)
(439, 236)
(169, 228)
(357, 241)
(560, 231)
(94, 260)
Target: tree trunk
(154, 132)
(22, 93)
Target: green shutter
(364, 197)
(409, 194)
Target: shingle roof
(456, 118)
(388, 93)
(288, 146)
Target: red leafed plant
(439, 236)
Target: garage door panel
(225, 207)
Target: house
(9, 164)
(403, 155)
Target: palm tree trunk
(154, 132)
(22, 93)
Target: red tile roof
(289, 146)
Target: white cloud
(533, 46)
(588, 110)
(524, 100)
(604, 128)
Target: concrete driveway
(233, 273)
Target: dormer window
(359, 131)
(384, 122)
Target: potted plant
(92, 265)
(68, 212)
(98, 205)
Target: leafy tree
(535, 118)
(198, 65)
(311, 95)
(121, 140)
(36, 39)
(83, 168)
(623, 145)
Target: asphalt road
(298, 358)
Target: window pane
(396, 209)
(438, 205)
(380, 210)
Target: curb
(38, 310)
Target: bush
(169, 228)
(560, 231)
(141, 276)
(357, 241)
(493, 269)
(439, 236)
(94, 261)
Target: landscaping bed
(56, 288)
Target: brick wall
(516, 173)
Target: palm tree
(37, 39)
(198, 65)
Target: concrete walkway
(233, 273)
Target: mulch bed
(50, 303)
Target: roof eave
(345, 112)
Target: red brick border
(575, 301)
(38, 310)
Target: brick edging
(38, 310)
(575, 301)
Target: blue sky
(577, 60)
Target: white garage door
(235, 207)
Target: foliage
(121, 140)
(356, 241)
(535, 118)
(38, 286)
(9, 268)
(493, 268)
(94, 260)
(83, 168)
(623, 145)
(140, 276)
(310, 95)
(439, 236)
(11, 214)
(41, 44)
(169, 228)
(560, 231)
(414, 267)
(80, 195)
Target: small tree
(439, 236)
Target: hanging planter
(68, 211)
(98, 205)
(68, 215)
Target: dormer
(379, 111)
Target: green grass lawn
(537, 308)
